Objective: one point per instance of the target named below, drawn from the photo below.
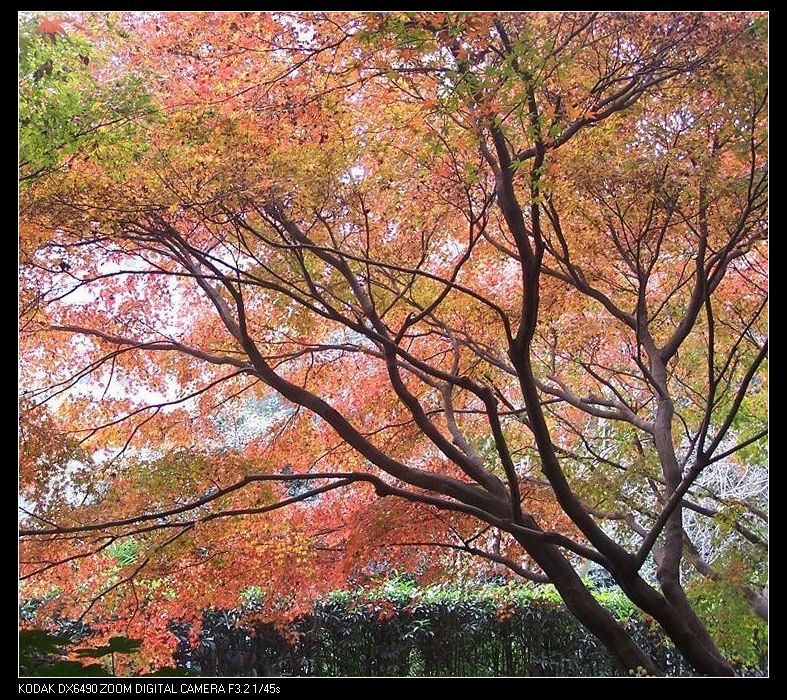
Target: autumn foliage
(308, 298)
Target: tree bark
(596, 619)
(678, 627)
(678, 620)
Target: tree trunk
(588, 611)
(611, 634)
(669, 556)
(684, 628)
(678, 627)
(758, 602)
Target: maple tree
(480, 283)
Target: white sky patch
(353, 175)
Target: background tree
(507, 270)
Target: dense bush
(396, 629)
(400, 630)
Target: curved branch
(522, 571)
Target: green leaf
(117, 645)
(73, 668)
(124, 645)
(41, 642)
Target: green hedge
(400, 630)
(393, 629)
